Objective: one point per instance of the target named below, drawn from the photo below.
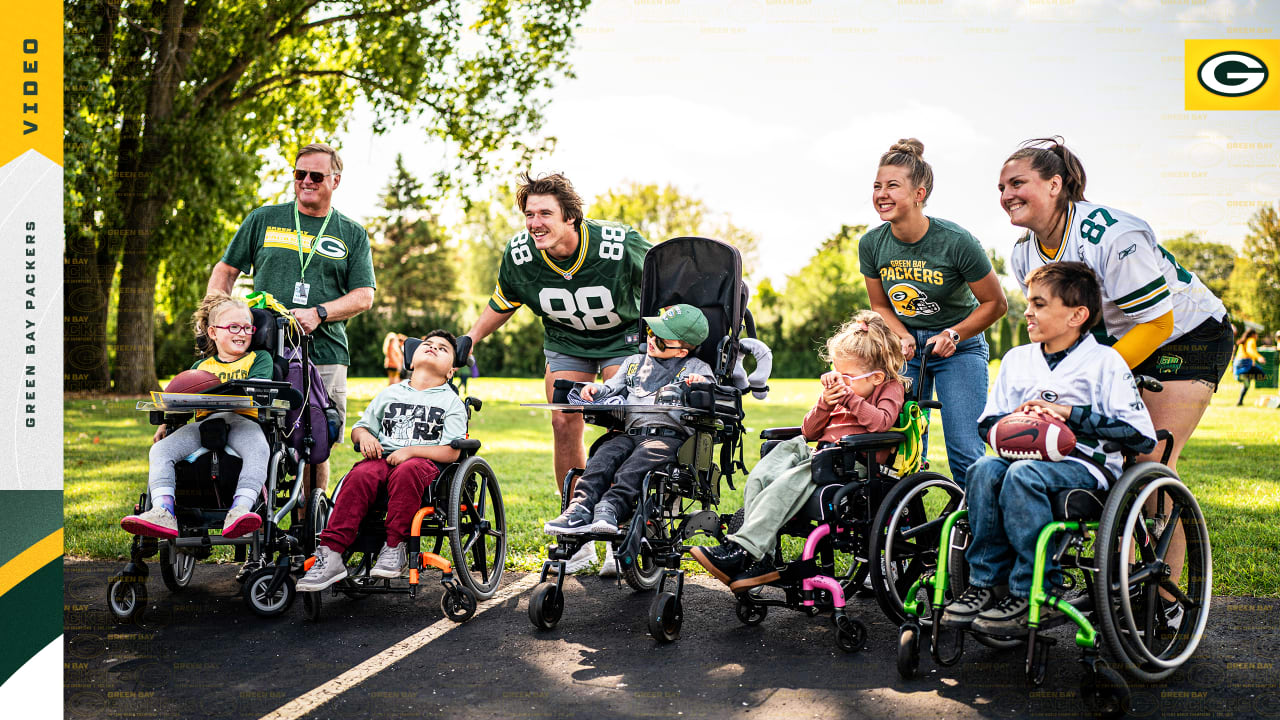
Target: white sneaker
(392, 562)
(583, 559)
(327, 570)
(608, 568)
(156, 522)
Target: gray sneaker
(961, 612)
(392, 562)
(1007, 618)
(605, 519)
(327, 570)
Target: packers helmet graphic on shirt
(909, 301)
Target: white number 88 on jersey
(587, 308)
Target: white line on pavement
(309, 701)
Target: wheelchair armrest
(560, 391)
(173, 419)
(263, 391)
(465, 444)
(779, 433)
(930, 404)
(872, 441)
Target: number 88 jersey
(1140, 280)
(588, 302)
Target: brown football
(192, 381)
(1031, 436)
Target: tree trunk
(86, 290)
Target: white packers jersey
(1091, 375)
(1140, 280)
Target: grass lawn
(1232, 465)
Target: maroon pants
(405, 483)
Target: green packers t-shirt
(927, 281)
(588, 302)
(266, 246)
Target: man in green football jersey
(314, 260)
(582, 277)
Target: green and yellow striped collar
(582, 254)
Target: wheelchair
(1116, 541)
(206, 481)
(677, 500)
(462, 506)
(857, 505)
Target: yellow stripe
(30, 560)
(1066, 230)
(502, 299)
(1144, 298)
(583, 241)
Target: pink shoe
(239, 522)
(156, 522)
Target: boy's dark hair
(453, 341)
(1075, 284)
(556, 185)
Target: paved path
(203, 654)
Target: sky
(775, 112)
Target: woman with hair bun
(932, 283)
(1161, 319)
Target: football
(192, 381)
(1028, 436)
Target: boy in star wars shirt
(404, 436)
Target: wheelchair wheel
(666, 615)
(477, 527)
(748, 611)
(851, 634)
(1104, 693)
(127, 600)
(908, 650)
(259, 596)
(546, 605)
(905, 538)
(645, 573)
(318, 509)
(1135, 543)
(458, 604)
(176, 568)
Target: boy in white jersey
(1065, 373)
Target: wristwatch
(951, 333)
(323, 313)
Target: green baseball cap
(682, 322)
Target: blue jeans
(961, 382)
(1008, 506)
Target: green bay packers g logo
(1232, 73)
(331, 247)
(909, 301)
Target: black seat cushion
(1078, 504)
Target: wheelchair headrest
(265, 324)
(411, 346)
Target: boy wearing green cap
(650, 439)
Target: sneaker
(609, 567)
(1007, 618)
(240, 521)
(761, 572)
(961, 612)
(156, 522)
(392, 562)
(581, 560)
(725, 561)
(327, 570)
(574, 521)
(605, 519)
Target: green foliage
(1212, 262)
(817, 300)
(1255, 278)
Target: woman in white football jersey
(1159, 316)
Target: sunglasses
(664, 345)
(315, 175)
(236, 328)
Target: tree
(1212, 262)
(411, 258)
(1255, 279)
(171, 102)
(661, 213)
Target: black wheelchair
(206, 481)
(677, 501)
(462, 506)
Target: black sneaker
(574, 521)
(605, 519)
(761, 572)
(724, 561)
(1007, 618)
(961, 612)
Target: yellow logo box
(1232, 74)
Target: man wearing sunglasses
(313, 259)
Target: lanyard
(297, 226)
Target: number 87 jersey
(589, 301)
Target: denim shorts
(559, 362)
